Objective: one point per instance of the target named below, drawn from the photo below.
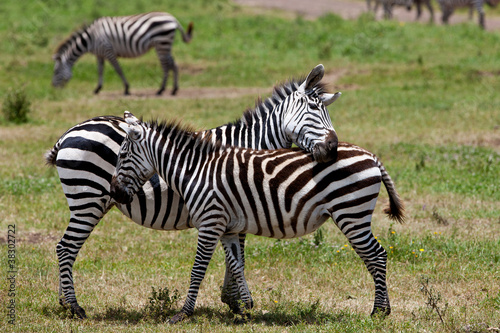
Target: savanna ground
(423, 97)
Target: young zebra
(448, 6)
(125, 36)
(274, 193)
(86, 156)
(388, 4)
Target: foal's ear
(132, 127)
(328, 99)
(313, 78)
(130, 118)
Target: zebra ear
(133, 132)
(313, 78)
(328, 99)
(130, 118)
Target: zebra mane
(66, 44)
(175, 128)
(280, 92)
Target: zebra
(86, 156)
(125, 36)
(419, 3)
(273, 193)
(448, 6)
(388, 4)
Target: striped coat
(278, 194)
(110, 38)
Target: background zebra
(419, 3)
(125, 36)
(388, 4)
(274, 193)
(86, 156)
(448, 6)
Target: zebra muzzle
(119, 193)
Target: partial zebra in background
(280, 194)
(86, 156)
(448, 6)
(109, 38)
(419, 3)
(387, 6)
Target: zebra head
(133, 167)
(307, 122)
(62, 71)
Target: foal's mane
(175, 128)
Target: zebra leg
(446, 15)
(480, 11)
(235, 262)
(100, 70)
(207, 242)
(230, 291)
(67, 250)
(176, 75)
(429, 6)
(112, 59)
(375, 258)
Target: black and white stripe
(274, 193)
(86, 156)
(109, 38)
(448, 6)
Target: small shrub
(160, 304)
(16, 106)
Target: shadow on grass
(287, 315)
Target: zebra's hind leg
(67, 249)
(375, 258)
(167, 64)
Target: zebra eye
(313, 106)
(123, 154)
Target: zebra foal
(280, 194)
(86, 155)
(449, 6)
(109, 38)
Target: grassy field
(423, 98)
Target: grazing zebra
(274, 193)
(419, 3)
(86, 156)
(125, 36)
(388, 4)
(448, 6)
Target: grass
(430, 113)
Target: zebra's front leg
(100, 71)
(207, 242)
(230, 290)
(112, 59)
(235, 263)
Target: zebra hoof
(174, 91)
(96, 90)
(79, 311)
(243, 318)
(382, 312)
(178, 318)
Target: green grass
(424, 98)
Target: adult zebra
(387, 6)
(274, 193)
(86, 156)
(448, 6)
(126, 36)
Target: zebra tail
(186, 36)
(51, 155)
(395, 210)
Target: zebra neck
(74, 47)
(257, 130)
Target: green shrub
(16, 106)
